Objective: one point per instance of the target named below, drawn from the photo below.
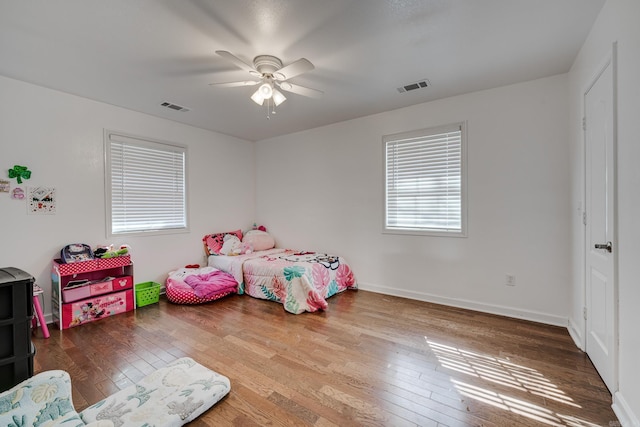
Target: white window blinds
(146, 186)
(424, 181)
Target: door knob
(607, 246)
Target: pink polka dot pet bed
(199, 285)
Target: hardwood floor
(370, 359)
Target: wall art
(41, 200)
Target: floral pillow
(213, 242)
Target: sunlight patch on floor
(505, 373)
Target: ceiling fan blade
(236, 61)
(296, 68)
(235, 84)
(301, 90)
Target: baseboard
(533, 316)
(624, 413)
(576, 334)
(517, 313)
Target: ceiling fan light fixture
(271, 76)
(278, 97)
(266, 89)
(257, 97)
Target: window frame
(150, 143)
(462, 126)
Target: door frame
(611, 59)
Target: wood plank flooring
(370, 359)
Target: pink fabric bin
(94, 289)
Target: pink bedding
(197, 286)
(300, 281)
(208, 284)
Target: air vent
(174, 107)
(422, 84)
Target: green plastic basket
(147, 293)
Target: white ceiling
(137, 54)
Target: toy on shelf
(76, 252)
(105, 252)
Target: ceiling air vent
(422, 84)
(174, 107)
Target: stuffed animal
(101, 249)
(113, 254)
(247, 248)
(110, 251)
(231, 246)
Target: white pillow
(259, 240)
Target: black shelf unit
(16, 312)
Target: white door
(601, 294)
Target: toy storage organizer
(86, 291)
(16, 311)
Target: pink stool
(37, 290)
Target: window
(425, 182)
(145, 185)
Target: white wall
(618, 21)
(322, 189)
(60, 138)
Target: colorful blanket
(301, 281)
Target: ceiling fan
(271, 75)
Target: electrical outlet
(510, 280)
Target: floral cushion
(171, 396)
(42, 400)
